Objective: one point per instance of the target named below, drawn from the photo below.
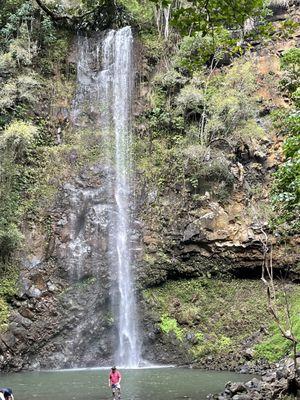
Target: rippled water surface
(142, 384)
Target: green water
(143, 384)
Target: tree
(284, 324)
(205, 15)
(286, 185)
(278, 301)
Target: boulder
(237, 387)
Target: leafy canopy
(286, 186)
(205, 15)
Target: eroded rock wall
(62, 314)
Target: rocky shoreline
(280, 382)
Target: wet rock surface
(276, 383)
(207, 239)
(62, 314)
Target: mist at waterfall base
(139, 384)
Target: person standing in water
(6, 394)
(114, 381)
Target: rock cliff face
(62, 317)
(189, 232)
(210, 238)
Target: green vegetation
(275, 347)
(189, 119)
(212, 107)
(218, 315)
(142, 13)
(183, 166)
(153, 47)
(168, 325)
(290, 64)
(32, 53)
(286, 187)
(200, 49)
(4, 314)
(8, 288)
(223, 344)
(204, 16)
(15, 144)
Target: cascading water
(104, 94)
(128, 353)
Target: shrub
(20, 90)
(10, 239)
(290, 64)
(196, 51)
(23, 49)
(28, 86)
(296, 97)
(286, 185)
(171, 81)
(230, 102)
(4, 313)
(190, 100)
(17, 137)
(7, 64)
(286, 195)
(9, 93)
(168, 325)
(9, 277)
(224, 342)
(153, 46)
(142, 12)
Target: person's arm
(109, 385)
(120, 377)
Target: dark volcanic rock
(272, 386)
(62, 317)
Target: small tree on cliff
(279, 310)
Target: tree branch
(76, 18)
(49, 12)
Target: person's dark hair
(113, 368)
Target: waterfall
(127, 353)
(103, 101)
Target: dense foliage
(202, 109)
(192, 115)
(286, 188)
(26, 35)
(204, 16)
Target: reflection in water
(141, 384)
